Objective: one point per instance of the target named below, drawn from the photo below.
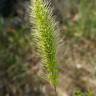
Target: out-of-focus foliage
(80, 93)
(83, 22)
(14, 46)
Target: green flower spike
(45, 37)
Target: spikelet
(45, 37)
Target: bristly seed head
(45, 37)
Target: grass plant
(44, 34)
